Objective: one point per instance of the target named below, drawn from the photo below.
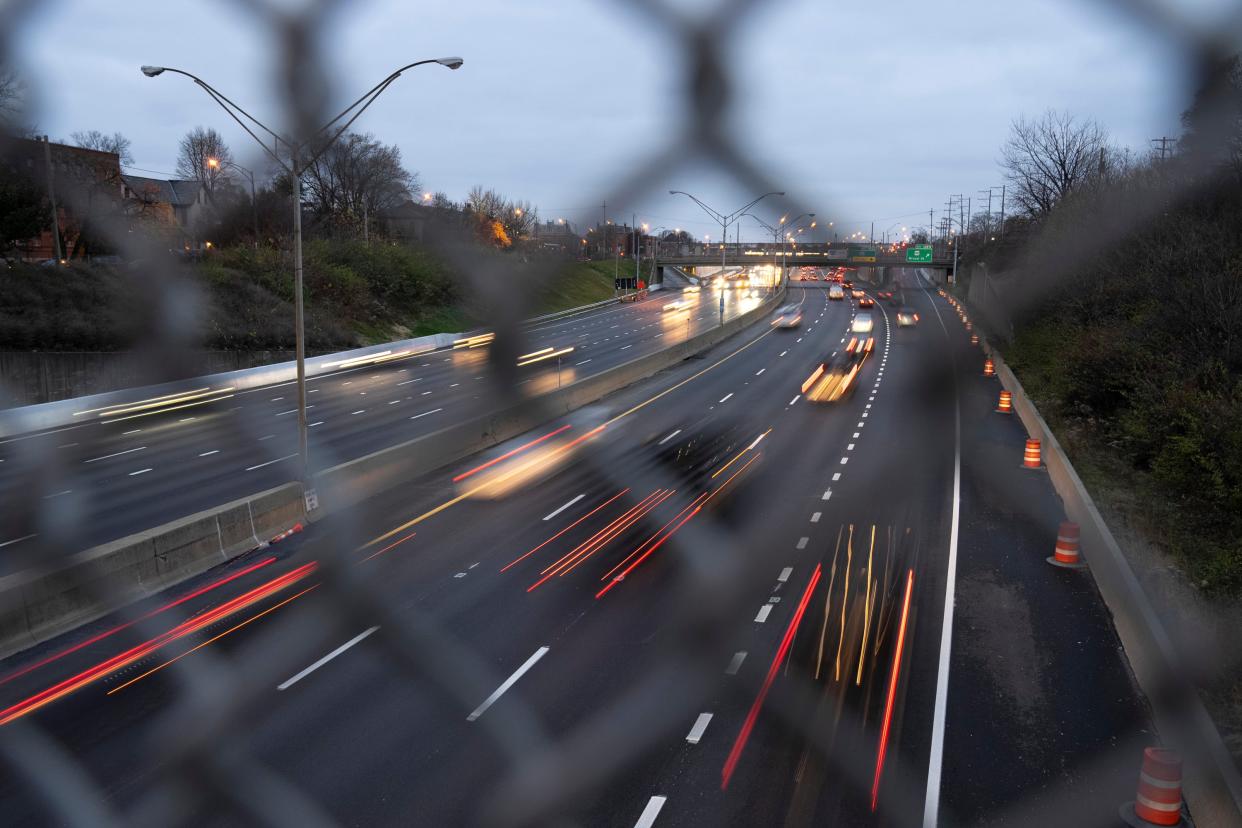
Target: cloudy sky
(862, 111)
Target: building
(173, 203)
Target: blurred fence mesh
(203, 766)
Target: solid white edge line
(648, 817)
(931, 805)
(669, 437)
(425, 413)
(566, 506)
(509, 682)
(700, 726)
(289, 682)
(270, 462)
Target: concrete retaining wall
(36, 605)
(1213, 786)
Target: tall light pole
(215, 164)
(724, 219)
(314, 146)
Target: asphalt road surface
(705, 601)
(115, 478)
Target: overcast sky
(861, 110)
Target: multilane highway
(708, 602)
(135, 472)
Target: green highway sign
(866, 254)
(919, 253)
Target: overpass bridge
(811, 256)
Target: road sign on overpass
(921, 253)
(866, 254)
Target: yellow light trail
(849, 559)
(862, 650)
(819, 659)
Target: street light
(776, 233)
(725, 220)
(215, 164)
(315, 145)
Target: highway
(711, 602)
(135, 472)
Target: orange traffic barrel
(1005, 404)
(974, 339)
(968, 325)
(1065, 553)
(989, 370)
(1159, 797)
(1030, 456)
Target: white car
(863, 323)
(836, 292)
(680, 304)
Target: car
(835, 292)
(863, 323)
(866, 302)
(834, 378)
(676, 305)
(691, 289)
(906, 318)
(857, 293)
(847, 283)
(789, 316)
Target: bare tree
(96, 140)
(198, 149)
(358, 174)
(11, 94)
(1048, 158)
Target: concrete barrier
(38, 604)
(1213, 786)
(364, 477)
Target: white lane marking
(584, 362)
(407, 382)
(866, 414)
(760, 371)
(726, 396)
(67, 445)
(844, 460)
(266, 437)
(425, 413)
(856, 435)
(786, 572)
(795, 399)
(131, 431)
(16, 540)
(764, 612)
(669, 437)
(424, 394)
(566, 506)
(827, 493)
(209, 453)
(799, 340)
(868, 406)
(118, 454)
(815, 516)
(931, 807)
(700, 726)
(289, 682)
(836, 476)
(454, 385)
(623, 347)
(509, 682)
(312, 425)
(140, 471)
(58, 494)
(276, 399)
(802, 542)
(735, 663)
(850, 447)
(860, 424)
(648, 817)
(782, 353)
(270, 462)
(359, 411)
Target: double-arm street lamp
(297, 150)
(724, 219)
(215, 164)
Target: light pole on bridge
(724, 219)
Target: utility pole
(1164, 142)
(51, 196)
(637, 255)
(872, 236)
(1003, 210)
